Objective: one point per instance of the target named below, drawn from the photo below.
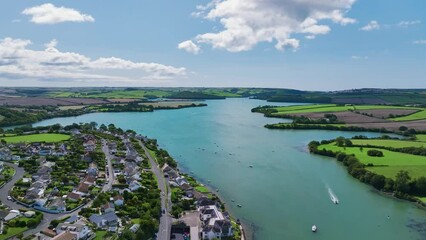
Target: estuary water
(283, 190)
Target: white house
(215, 224)
(82, 231)
(103, 221)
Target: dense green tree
(402, 182)
(378, 181)
(128, 235)
(340, 141)
(421, 185)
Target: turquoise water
(286, 191)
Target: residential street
(4, 192)
(110, 173)
(48, 217)
(166, 219)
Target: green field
(112, 94)
(412, 117)
(389, 165)
(317, 108)
(391, 171)
(310, 125)
(421, 138)
(388, 143)
(71, 107)
(12, 231)
(44, 137)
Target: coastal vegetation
(382, 163)
(20, 115)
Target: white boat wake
(333, 196)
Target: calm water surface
(287, 190)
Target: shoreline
(186, 173)
(78, 113)
(405, 197)
(247, 233)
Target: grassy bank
(388, 165)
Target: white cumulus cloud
(249, 22)
(50, 14)
(189, 46)
(372, 25)
(18, 61)
(408, 23)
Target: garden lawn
(412, 117)
(202, 189)
(100, 235)
(12, 231)
(44, 137)
(388, 143)
(153, 154)
(389, 165)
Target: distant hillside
(354, 96)
(193, 95)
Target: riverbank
(390, 165)
(21, 116)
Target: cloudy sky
(302, 44)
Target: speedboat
(314, 228)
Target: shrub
(375, 153)
(403, 128)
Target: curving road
(163, 185)
(4, 191)
(48, 217)
(165, 220)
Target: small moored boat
(239, 205)
(314, 228)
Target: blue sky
(247, 43)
